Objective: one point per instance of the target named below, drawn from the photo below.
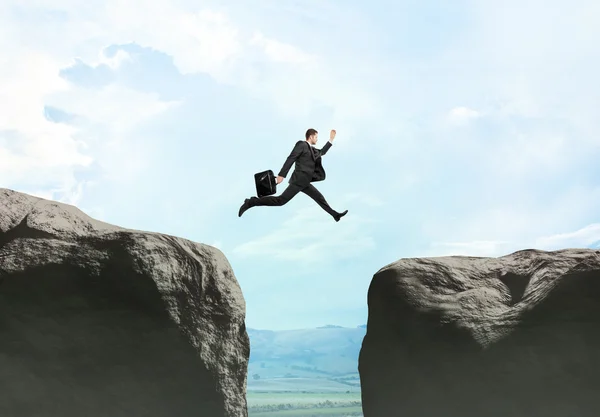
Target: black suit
(309, 168)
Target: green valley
(307, 372)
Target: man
(308, 169)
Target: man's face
(313, 138)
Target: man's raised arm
(326, 147)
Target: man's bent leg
(277, 200)
(316, 195)
(270, 200)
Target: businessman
(309, 168)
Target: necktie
(314, 152)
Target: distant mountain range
(326, 353)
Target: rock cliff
(98, 320)
(514, 336)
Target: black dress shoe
(247, 204)
(340, 215)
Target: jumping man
(308, 169)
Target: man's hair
(310, 132)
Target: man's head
(311, 136)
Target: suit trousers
(289, 193)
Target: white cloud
(309, 235)
(462, 115)
(118, 107)
(113, 62)
(41, 156)
(38, 153)
(584, 237)
(281, 52)
(199, 41)
(210, 40)
(33, 150)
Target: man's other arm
(290, 159)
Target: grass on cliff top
(308, 404)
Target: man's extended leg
(316, 195)
(271, 200)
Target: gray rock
(102, 321)
(515, 336)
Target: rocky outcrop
(514, 336)
(98, 321)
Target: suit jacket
(309, 166)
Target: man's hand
(279, 179)
(332, 134)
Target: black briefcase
(265, 183)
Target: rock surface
(102, 321)
(514, 336)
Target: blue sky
(464, 128)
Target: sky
(463, 128)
